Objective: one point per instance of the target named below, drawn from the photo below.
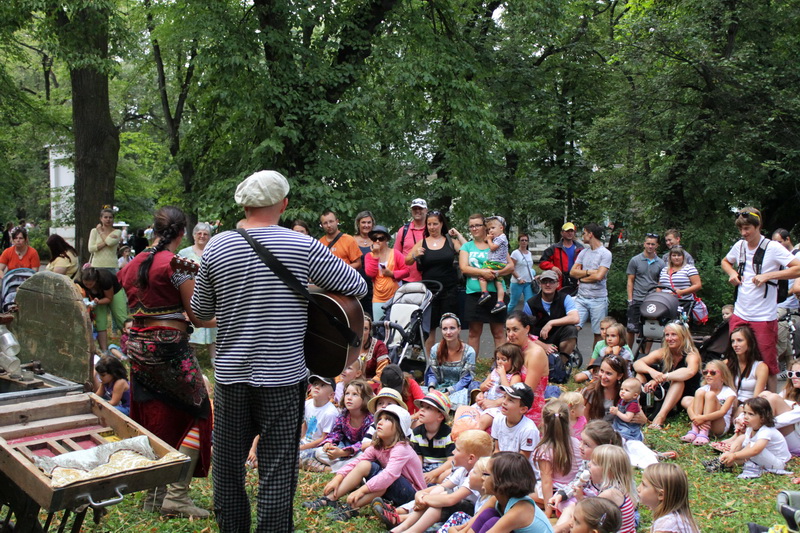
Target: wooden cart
(59, 425)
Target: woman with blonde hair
(675, 368)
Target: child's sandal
(319, 503)
(691, 436)
(701, 440)
(386, 512)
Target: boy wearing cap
(431, 439)
(318, 419)
(512, 430)
(438, 503)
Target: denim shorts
(594, 309)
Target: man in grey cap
(554, 316)
(260, 367)
(411, 232)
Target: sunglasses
(381, 238)
(709, 372)
(434, 212)
(793, 374)
(651, 235)
(745, 214)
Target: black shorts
(482, 313)
(560, 334)
(446, 302)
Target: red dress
(535, 412)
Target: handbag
(700, 311)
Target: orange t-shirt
(12, 260)
(346, 248)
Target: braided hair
(168, 223)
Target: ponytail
(168, 223)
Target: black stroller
(11, 282)
(657, 310)
(716, 345)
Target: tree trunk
(84, 33)
(96, 152)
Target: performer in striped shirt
(260, 368)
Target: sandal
(715, 466)
(721, 447)
(386, 512)
(343, 513)
(701, 440)
(319, 503)
(484, 299)
(690, 436)
(655, 426)
(666, 456)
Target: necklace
(436, 242)
(365, 242)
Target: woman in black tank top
(435, 256)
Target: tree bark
(84, 34)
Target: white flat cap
(266, 187)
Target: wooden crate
(75, 419)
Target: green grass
(720, 502)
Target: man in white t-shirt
(757, 291)
(591, 269)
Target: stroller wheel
(576, 358)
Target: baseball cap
(568, 226)
(521, 392)
(386, 392)
(437, 400)
(393, 377)
(419, 202)
(402, 416)
(261, 189)
(548, 274)
(327, 381)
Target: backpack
(783, 285)
(758, 260)
(558, 370)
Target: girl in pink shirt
(391, 468)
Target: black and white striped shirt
(262, 322)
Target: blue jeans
(520, 289)
(399, 492)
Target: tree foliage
(654, 114)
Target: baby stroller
(403, 325)
(789, 508)
(11, 282)
(657, 310)
(715, 345)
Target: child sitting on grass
(431, 439)
(597, 353)
(626, 409)
(390, 467)
(458, 521)
(318, 419)
(437, 503)
(711, 407)
(577, 419)
(512, 430)
(510, 479)
(764, 448)
(665, 491)
(344, 440)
